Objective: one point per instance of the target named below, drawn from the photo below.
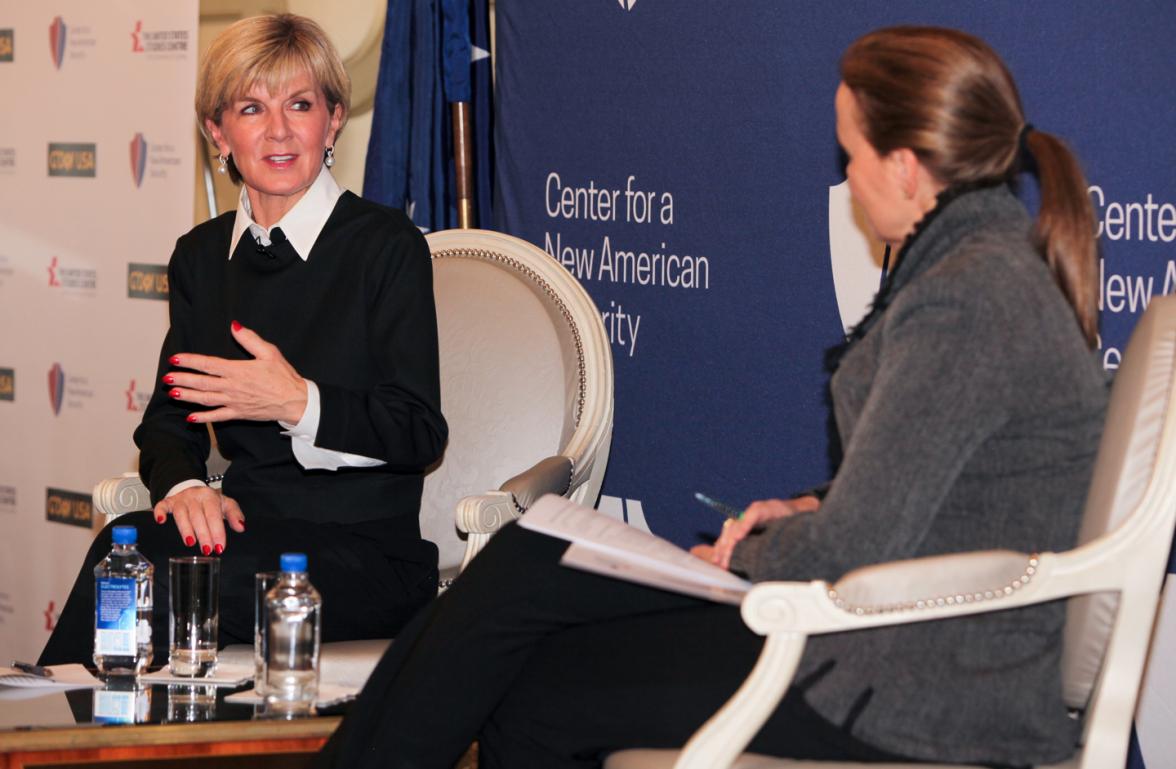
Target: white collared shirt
(301, 225)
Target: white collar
(301, 224)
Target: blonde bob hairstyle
(268, 51)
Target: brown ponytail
(949, 98)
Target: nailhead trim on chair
(213, 479)
(486, 255)
(939, 601)
(571, 474)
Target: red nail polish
(169, 379)
(205, 549)
(189, 540)
(160, 519)
(242, 527)
(219, 549)
(191, 417)
(175, 393)
(236, 326)
(174, 360)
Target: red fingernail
(189, 540)
(169, 379)
(160, 519)
(206, 550)
(174, 360)
(219, 549)
(236, 326)
(242, 525)
(191, 417)
(175, 393)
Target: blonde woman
(303, 331)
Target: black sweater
(357, 317)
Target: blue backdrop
(678, 155)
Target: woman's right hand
(200, 513)
(735, 530)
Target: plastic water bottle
(123, 588)
(294, 615)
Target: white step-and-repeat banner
(96, 183)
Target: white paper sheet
(604, 545)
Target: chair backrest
(1126, 466)
(526, 374)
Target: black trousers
(366, 593)
(550, 667)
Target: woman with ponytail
(969, 406)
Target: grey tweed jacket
(969, 415)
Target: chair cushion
(504, 386)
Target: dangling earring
(329, 160)
(224, 164)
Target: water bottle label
(114, 623)
(114, 707)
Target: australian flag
(434, 52)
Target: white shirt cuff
(190, 484)
(303, 435)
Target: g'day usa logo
(7, 384)
(7, 499)
(70, 392)
(68, 507)
(7, 45)
(147, 281)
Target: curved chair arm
(547, 476)
(479, 516)
(901, 592)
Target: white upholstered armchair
(526, 387)
(1112, 580)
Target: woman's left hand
(264, 389)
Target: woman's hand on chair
(200, 513)
(735, 530)
(265, 388)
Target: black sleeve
(170, 449)
(399, 419)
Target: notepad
(64, 677)
(606, 546)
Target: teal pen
(721, 507)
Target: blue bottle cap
(125, 535)
(295, 562)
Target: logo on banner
(7, 44)
(6, 270)
(138, 158)
(73, 159)
(78, 279)
(146, 281)
(51, 616)
(7, 384)
(159, 42)
(57, 41)
(56, 387)
(136, 399)
(7, 499)
(69, 507)
(7, 160)
(75, 40)
(627, 4)
(67, 391)
(855, 254)
(152, 161)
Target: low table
(168, 722)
